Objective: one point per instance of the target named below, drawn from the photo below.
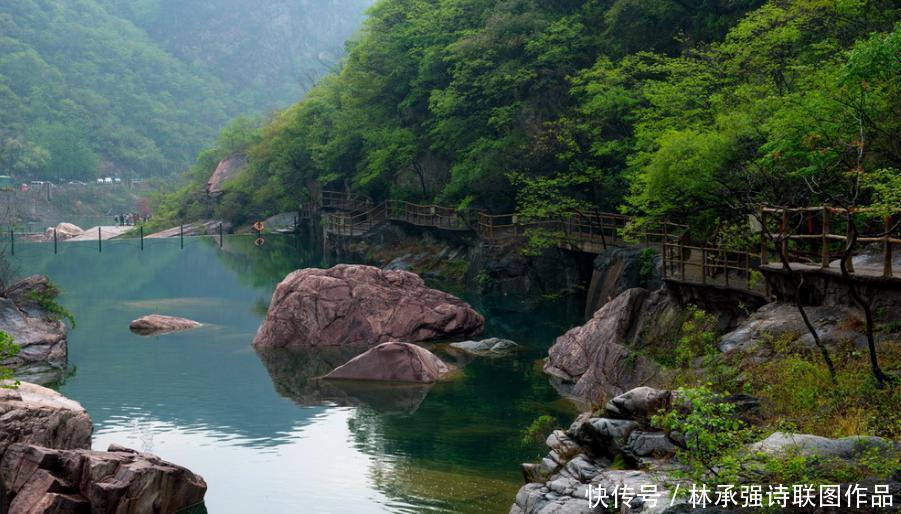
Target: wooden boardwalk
(706, 264)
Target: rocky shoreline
(41, 335)
(47, 466)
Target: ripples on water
(265, 437)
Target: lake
(264, 436)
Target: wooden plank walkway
(706, 264)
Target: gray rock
(491, 347)
(640, 403)
(649, 444)
(807, 444)
(777, 319)
(41, 336)
(605, 436)
(616, 270)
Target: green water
(265, 438)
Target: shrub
(47, 300)
(8, 349)
(713, 435)
(535, 434)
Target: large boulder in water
(156, 324)
(363, 306)
(393, 362)
(120, 481)
(41, 335)
(36, 415)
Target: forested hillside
(675, 108)
(138, 88)
(269, 52)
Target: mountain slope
(83, 88)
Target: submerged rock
(157, 324)
(363, 306)
(393, 362)
(36, 415)
(491, 347)
(120, 481)
(41, 336)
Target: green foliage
(698, 337)
(796, 468)
(46, 299)
(141, 87)
(8, 350)
(535, 434)
(496, 105)
(646, 265)
(797, 390)
(712, 432)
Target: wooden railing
(702, 264)
(808, 235)
(709, 265)
(426, 215)
(341, 201)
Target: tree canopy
(660, 108)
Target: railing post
(220, 233)
(748, 269)
(181, 235)
(849, 230)
(704, 264)
(682, 257)
(54, 241)
(99, 241)
(764, 258)
(825, 239)
(726, 265)
(142, 237)
(887, 251)
(12, 242)
(784, 233)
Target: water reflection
(295, 375)
(265, 435)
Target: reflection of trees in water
(261, 266)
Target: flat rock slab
(157, 324)
(355, 305)
(393, 362)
